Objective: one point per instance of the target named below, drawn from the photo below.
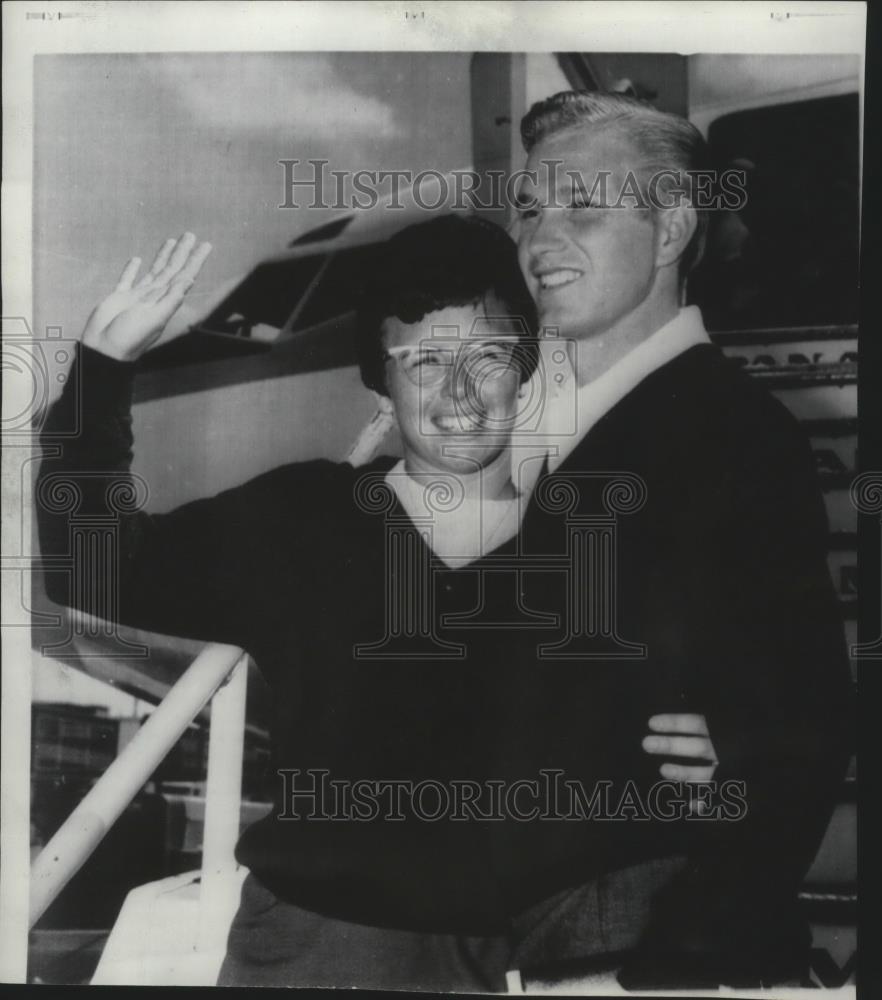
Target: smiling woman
(447, 340)
(274, 520)
(455, 406)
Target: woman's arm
(174, 573)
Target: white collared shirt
(569, 412)
(460, 529)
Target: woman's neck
(490, 482)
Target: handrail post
(223, 797)
(15, 812)
(84, 829)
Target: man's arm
(771, 676)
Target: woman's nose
(462, 384)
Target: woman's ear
(384, 404)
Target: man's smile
(556, 277)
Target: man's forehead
(585, 151)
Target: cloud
(745, 79)
(272, 94)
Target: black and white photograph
(431, 497)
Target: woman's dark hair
(447, 261)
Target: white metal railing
(84, 829)
(223, 793)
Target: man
(291, 567)
(722, 572)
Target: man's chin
(568, 323)
(561, 316)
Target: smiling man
(573, 258)
(722, 572)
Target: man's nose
(545, 234)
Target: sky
(132, 148)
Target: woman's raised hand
(131, 319)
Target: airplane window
(790, 256)
(326, 232)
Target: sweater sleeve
(188, 572)
(769, 670)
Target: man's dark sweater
(721, 574)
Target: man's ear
(674, 229)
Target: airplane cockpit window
(336, 293)
(263, 304)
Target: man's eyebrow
(576, 185)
